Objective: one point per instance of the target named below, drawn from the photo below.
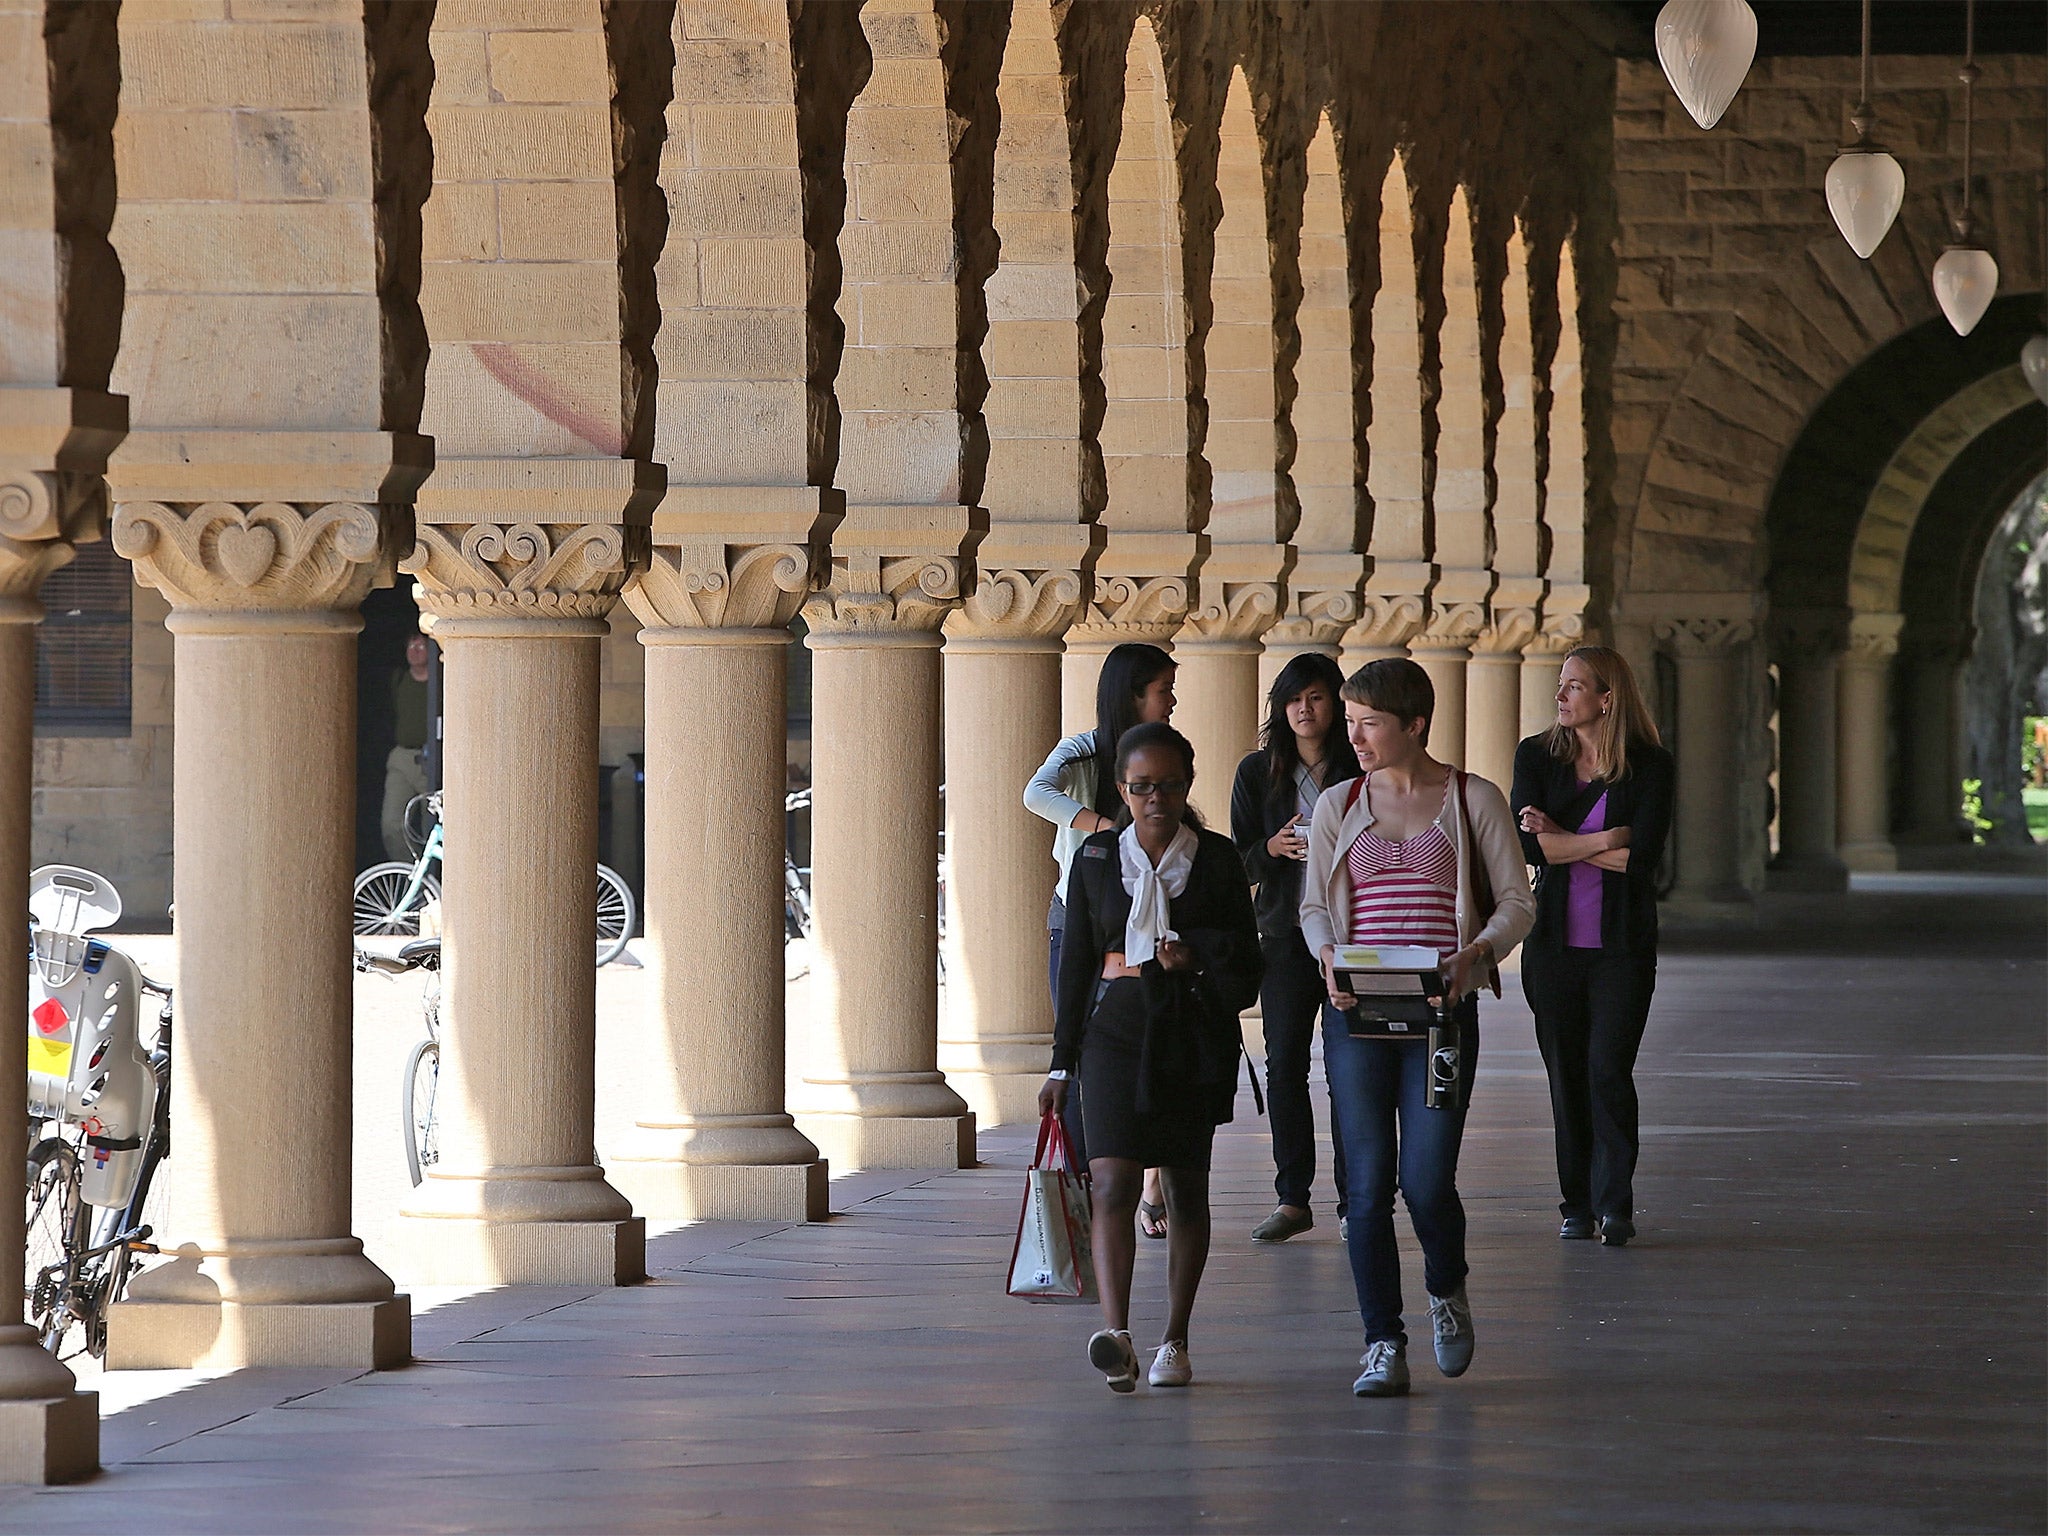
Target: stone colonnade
(878, 316)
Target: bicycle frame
(430, 853)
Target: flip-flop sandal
(1151, 1219)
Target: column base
(228, 1335)
(677, 1191)
(1818, 878)
(50, 1439)
(999, 1098)
(441, 1250)
(1706, 912)
(849, 1142)
(1878, 855)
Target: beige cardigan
(1326, 883)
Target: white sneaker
(1171, 1367)
(1110, 1352)
(1386, 1369)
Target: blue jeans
(1393, 1138)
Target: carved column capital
(1558, 633)
(1128, 607)
(1452, 627)
(1873, 639)
(1010, 608)
(1805, 636)
(53, 452)
(1233, 613)
(1704, 637)
(1510, 632)
(1387, 621)
(712, 585)
(275, 556)
(523, 540)
(1314, 619)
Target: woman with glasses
(1075, 790)
(1302, 752)
(1161, 955)
(1417, 854)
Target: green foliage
(1973, 809)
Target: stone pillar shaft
(1002, 714)
(713, 1138)
(1446, 668)
(1540, 674)
(874, 1093)
(1808, 655)
(1935, 775)
(1863, 723)
(1708, 847)
(1217, 689)
(1493, 715)
(518, 1196)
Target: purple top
(1582, 895)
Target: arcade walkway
(1833, 1322)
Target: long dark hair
(1127, 671)
(1276, 737)
(1139, 738)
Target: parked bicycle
(390, 897)
(421, 1084)
(99, 1109)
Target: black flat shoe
(1615, 1231)
(1577, 1229)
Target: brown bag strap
(1482, 877)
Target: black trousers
(1291, 999)
(1591, 1007)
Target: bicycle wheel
(614, 915)
(58, 1224)
(416, 1113)
(380, 904)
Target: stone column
(1443, 650)
(264, 543)
(1863, 799)
(873, 1093)
(1933, 667)
(1706, 835)
(1002, 703)
(1807, 646)
(53, 445)
(518, 562)
(1493, 695)
(713, 1137)
(1218, 679)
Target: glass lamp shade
(1965, 283)
(1706, 48)
(2034, 364)
(1865, 188)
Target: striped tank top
(1405, 892)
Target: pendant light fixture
(1965, 276)
(1706, 48)
(1865, 184)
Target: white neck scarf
(1151, 889)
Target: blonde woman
(1593, 801)
(1405, 855)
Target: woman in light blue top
(1075, 790)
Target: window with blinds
(84, 646)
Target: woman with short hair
(1160, 957)
(1411, 853)
(1593, 800)
(1302, 752)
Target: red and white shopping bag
(1052, 1260)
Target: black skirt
(1178, 1134)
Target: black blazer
(1191, 1028)
(1255, 817)
(1641, 802)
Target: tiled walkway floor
(1834, 1320)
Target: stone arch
(1396, 476)
(1330, 532)
(1885, 532)
(1145, 436)
(1247, 504)
(1798, 331)
(1045, 464)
